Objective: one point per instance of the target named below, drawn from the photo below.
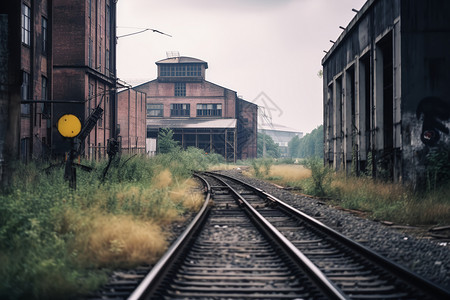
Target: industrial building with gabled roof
(200, 113)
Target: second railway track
(231, 252)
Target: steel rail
(405, 274)
(309, 267)
(152, 279)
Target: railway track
(247, 244)
(359, 272)
(231, 253)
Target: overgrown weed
(392, 201)
(53, 240)
(381, 200)
(261, 166)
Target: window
(165, 71)
(155, 110)
(90, 53)
(24, 149)
(26, 24)
(98, 9)
(100, 56)
(46, 109)
(209, 110)
(44, 88)
(44, 35)
(107, 63)
(180, 89)
(108, 21)
(188, 70)
(26, 93)
(180, 110)
(194, 70)
(91, 91)
(180, 71)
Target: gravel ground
(428, 258)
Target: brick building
(84, 71)
(57, 57)
(386, 102)
(201, 114)
(132, 121)
(26, 77)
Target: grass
(118, 241)
(287, 175)
(392, 201)
(56, 243)
(383, 201)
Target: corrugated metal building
(201, 114)
(386, 91)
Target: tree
(312, 144)
(166, 143)
(272, 149)
(294, 146)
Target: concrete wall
(425, 82)
(386, 89)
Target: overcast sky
(268, 51)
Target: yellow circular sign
(69, 126)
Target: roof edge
(359, 15)
(182, 60)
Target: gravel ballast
(428, 258)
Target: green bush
(438, 167)
(261, 166)
(256, 167)
(285, 161)
(166, 143)
(321, 176)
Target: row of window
(107, 58)
(26, 95)
(91, 56)
(184, 110)
(26, 28)
(190, 70)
